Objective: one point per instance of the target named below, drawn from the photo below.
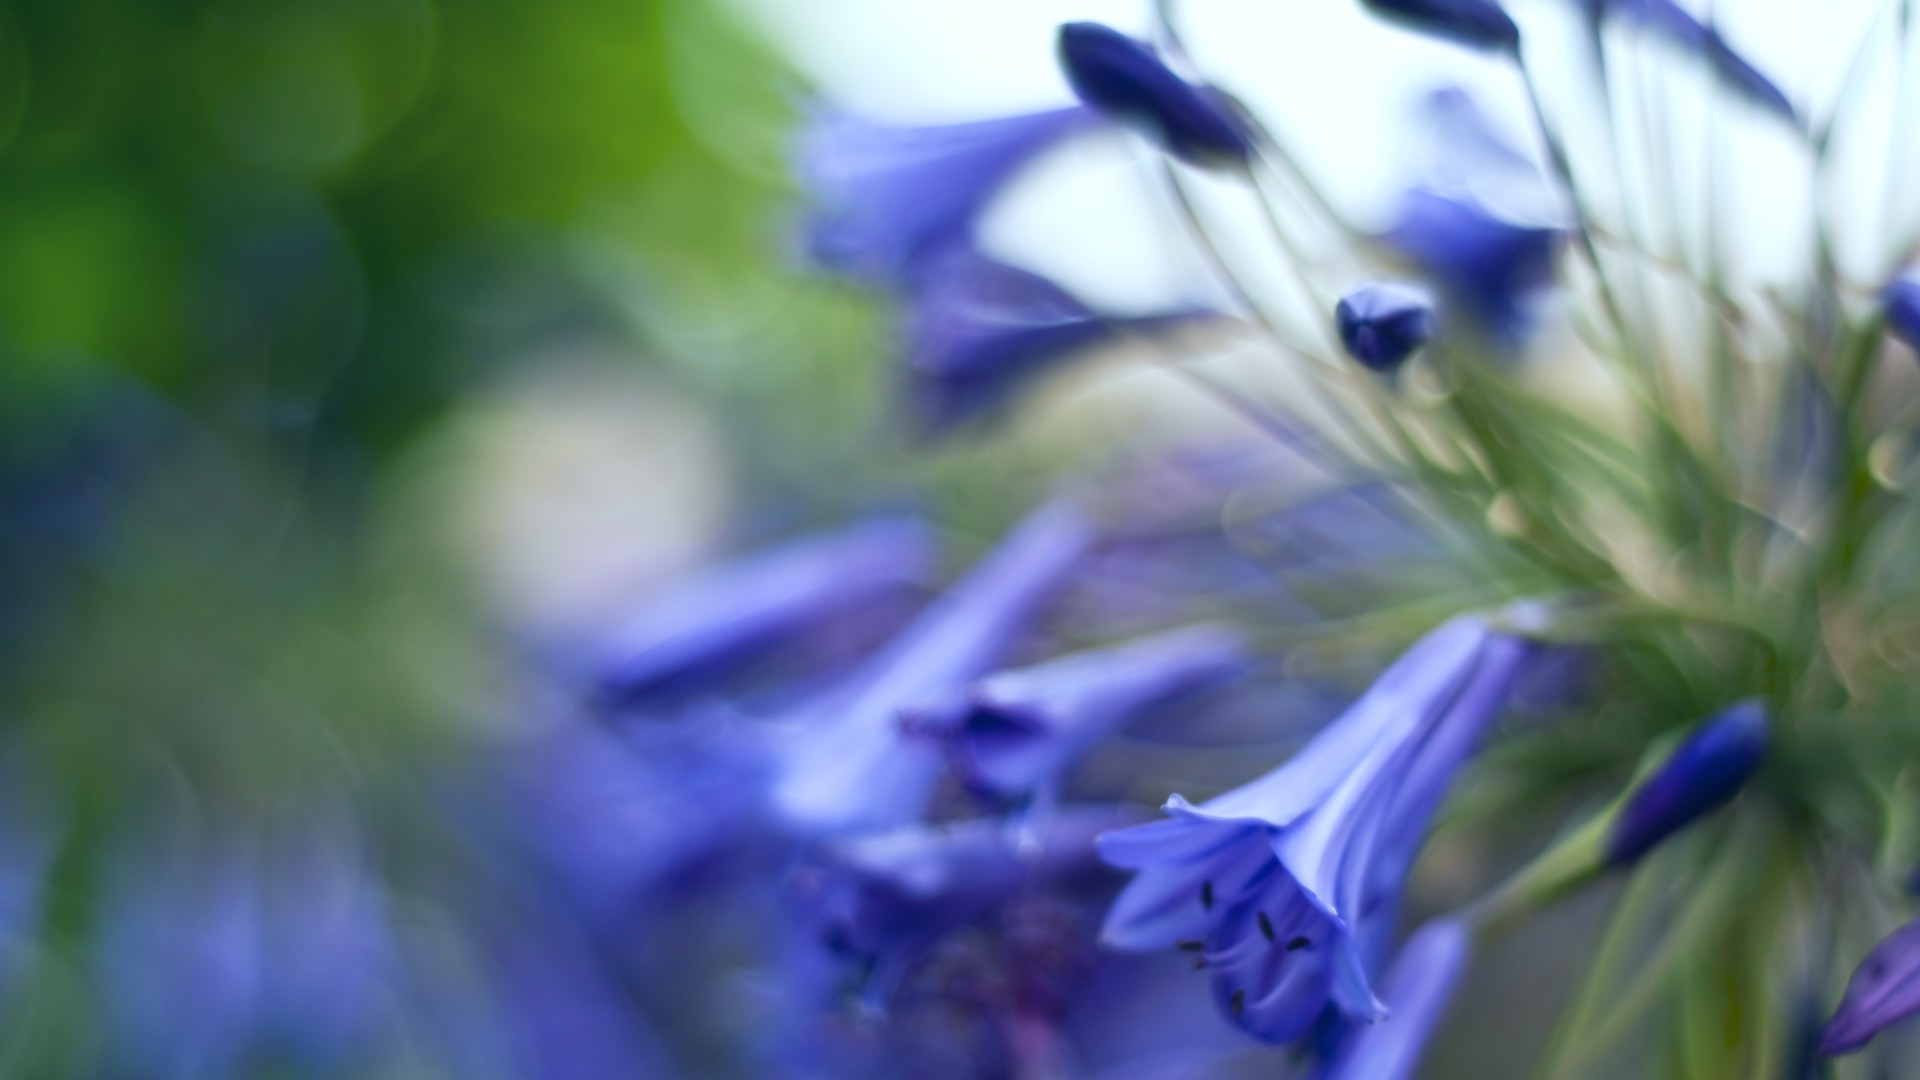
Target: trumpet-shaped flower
(1884, 990)
(980, 330)
(887, 195)
(1382, 325)
(1015, 732)
(852, 767)
(1124, 79)
(1286, 886)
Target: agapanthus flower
(1015, 732)
(1286, 886)
(1705, 771)
(887, 895)
(1382, 324)
(1902, 300)
(1417, 989)
(1480, 24)
(1674, 24)
(1884, 990)
(887, 196)
(850, 766)
(1126, 80)
(1488, 267)
(980, 330)
(707, 628)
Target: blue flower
(1885, 990)
(887, 195)
(1672, 22)
(1382, 325)
(1015, 732)
(707, 629)
(885, 897)
(1707, 770)
(1480, 24)
(980, 330)
(1902, 300)
(1287, 886)
(850, 766)
(1487, 266)
(1124, 79)
(1417, 990)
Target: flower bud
(1381, 325)
(1706, 771)
(1479, 24)
(1123, 78)
(1902, 299)
(1883, 991)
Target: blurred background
(359, 356)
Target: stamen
(1206, 895)
(1266, 925)
(1296, 944)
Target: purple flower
(1902, 300)
(1015, 732)
(1706, 771)
(1480, 24)
(710, 627)
(889, 195)
(1486, 265)
(1885, 990)
(889, 894)
(1672, 22)
(1124, 79)
(980, 330)
(1416, 991)
(849, 766)
(1382, 325)
(1286, 886)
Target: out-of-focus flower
(1381, 325)
(1705, 771)
(1416, 990)
(1485, 265)
(1673, 23)
(1481, 24)
(980, 330)
(1285, 885)
(1127, 81)
(1902, 300)
(887, 196)
(709, 627)
(1015, 732)
(1884, 990)
(889, 894)
(850, 766)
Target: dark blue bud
(1124, 79)
(1670, 21)
(1706, 771)
(1479, 24)
(1902, 298)
(1382, 325)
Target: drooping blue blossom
(1124, 79)
(849, 765)
(1705, 771)
(1486, 266)
(979, 330)
(1902, 300)
(1674, 24)
(1884, 990)
(1480, 24)
(1015, 732)
(887, 196)
(701, 631)
(886, 896)
(1416, 990)
(1383, 324)
(1287, 886)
